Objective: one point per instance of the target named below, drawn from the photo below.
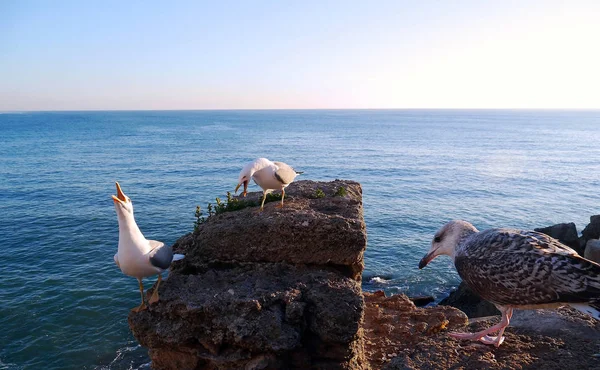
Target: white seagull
(517, 269)
(137, 256)
(268, 175)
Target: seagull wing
(513, 267)
(160, 255)
(284, 173)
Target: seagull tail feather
(177, 257)
(591, 308)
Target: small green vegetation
(231, 204)
(199, 218)
(273, 197)
(341, 192)
(319, 194)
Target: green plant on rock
(319, 194)
(220, 207)
(199, 218)
(273, 197)
(341, 192)
(230, 204)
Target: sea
(64, 302)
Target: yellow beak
(120, 197)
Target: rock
(273, 290)
(566, 233)
(592, 250)
(275, 309)
(591, 231)
(326, 231)
(422, 300)
(393, 323)
(536, 339)
(469, 302)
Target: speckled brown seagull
(268, 175)
(516, 269)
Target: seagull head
(122, 202)
(244, 179)
(446, 240)
(248, 171)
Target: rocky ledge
(272, 289)
(281, 290)
(399, 335)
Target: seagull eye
(437, 239)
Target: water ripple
(63, 302)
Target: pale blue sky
(80, 55)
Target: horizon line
(288, 109)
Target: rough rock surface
(393, 323)
(591, 231)
(592, 250)
(566, 233)
(307, 230)
(229, 317)
(278, 289)
(536, 339)
(469, 302)
(399, 335)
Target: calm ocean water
(64, 303)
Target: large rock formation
(399, 335)
(277, 289)
(394, 323)
(592, 250)
(536, 339)
(591, 231)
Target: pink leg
(483, 335)
(497, 340)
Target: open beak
(120, 197)
(425, 260)
(245, 188)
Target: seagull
(517, 269)
(268, 175)
(137, 256)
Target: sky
(137, 55)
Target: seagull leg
(154, 297)
(263, 201)
(143, 304)
(282, 196)
(483, 336)
(497, 340)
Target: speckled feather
(525, 269)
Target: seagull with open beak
(268, 175)
(137, 256)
